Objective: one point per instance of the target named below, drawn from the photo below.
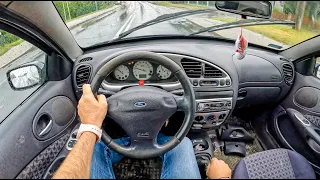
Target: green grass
(187, 6)
(4, 48)
(284, 34)
(276, 9)
(68, 20)
(281, 33)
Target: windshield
(96, 22)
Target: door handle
(304, 126)
(301, 118)
(46, 129)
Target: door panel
(18, 144)
(37, 167)
(304, 95)
(53, 117)
(35, 122)
(300, 106)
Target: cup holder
(53, 167)
(200, 145)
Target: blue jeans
(178, 163)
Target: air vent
(83, 75)
(287, 73)
(191, 67)
(212, 72)
(85, 59)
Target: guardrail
(84, 19)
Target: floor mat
(233, 160)
(235, 121)
(129, 168)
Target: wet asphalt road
(100, 29)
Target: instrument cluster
(134, 71)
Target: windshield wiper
(162, 18)
(245, 22)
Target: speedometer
(121, 72)
(142, 70)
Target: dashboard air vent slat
(287, 73)
(212, 72)
(83, 75)
(85, 59)
(192, 68)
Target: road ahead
(107, 28)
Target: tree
(299, 14)
(289, 7)
(313, 9)
(79, 8)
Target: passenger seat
(274, 164)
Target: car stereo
(211, 113)
(214, 105)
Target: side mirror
(26, 76)
(317, 71)
(261, 9)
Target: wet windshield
(96, 22)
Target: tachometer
(142, 70)
(121, 72)
(163, 73)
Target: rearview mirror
(261, 9)
(25, 76)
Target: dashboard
(220, 81)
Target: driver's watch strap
(89, 128)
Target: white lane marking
(129, 24)
(125, 24)
(122, 27)
(2, 82)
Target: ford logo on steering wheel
(140, 104)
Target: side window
(317, 67)
(17, 57)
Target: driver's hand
(92, 110)
(218, 169)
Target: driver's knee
(186, 143)
(182, 153)
(184, 147)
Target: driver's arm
(91, 111)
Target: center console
(211, 113)
(203, 149)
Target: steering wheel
(142, 110)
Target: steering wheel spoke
(181, 103)
(107, 93)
